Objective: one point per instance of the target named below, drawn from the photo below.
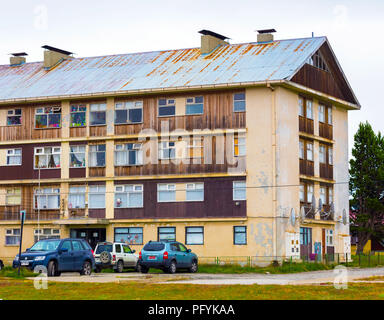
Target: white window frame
(194, 187)
(123, 148)
(301, 150)
(301, 107)
(77, 106)
(170, 187)
(309, 106)
(241, 142)
(11, 153)
(40, 111)
(75, 151)
(330, 117)
(323, 194)
(310, 190)
(322, 154)
(195, 143)
(12, 113)
(130, 105)
(46, 193)
(76, 191)
(235, 187)
(168, 103)
(330, 155)
(11, 233)
(13, 193)
(309, 151)
(97, 108)
(321, 113)
(329, 238)
(127, 190)
(168, 147)
(302, 192)
(96, 192)
(190, 230)
(234, 100)
(191, 103)
(41, 151)
(90, 152)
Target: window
(78, 115)
(77, 157)
(326, 194)
(194, 235)
(322, 154)
(309, 109)
(167, 107)
(167, 150)
(76, 197)
(195, 148)
(129, 112)
(129, 154)
(309, 151)
(239, 146)
(330, 115)
(126, 249)
(330, 195)
(13, 157)
(318, 61)
(97, 155)
(309, 193)
(13, 197)
(195, 191)
(12, 237)
(47, 157)
(166, 233)
(132, 235)
(323, 195)
(305, 236)
(48, 117)
(301, 107)
(118, 248)
(96, 197)
(302, 192)
(239, 190)
(46, 233)
(329, 237)
(239, 235)
(166, 192)
(194, 105)
(47, 198)
(301, 149)
(14, 117)
(97, 114)
(321, 113)
(129, 196)
(239, 102)
(330, 156)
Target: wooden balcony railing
(307, 167)
(325, 130)
(326, 171)
(44, 215)
(306, 125)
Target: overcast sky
(92, 28)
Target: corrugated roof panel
(162, 69)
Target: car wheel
(52, 269)
(138, 267)
(144, 269)
(87, 269)
(120, 266)
(193, 268)
(172, 267)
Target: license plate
(97, 260)
(25, 263)
(152, 258)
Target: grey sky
(92, 28)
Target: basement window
(194, 105)
(97, 114)
(78, 115)
(14, 117)
(167, 107)
(129, 112)
(48, 117)
(239, 102)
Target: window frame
(12, 235)
(37, 234)
(234, 188)
(163, 227)
(194, 103)
(243, 232)
(188, 233)
(47, 114)
(192, 146)
(166, 105)
(77, 152)
(90, 193)
(127, 106)
(90, 147)
(81, 191)
(102, 109)
(168, 189)
(14, 115)
(13, 155)
(195, 189)
(234, 100)
(38, 194)
(78, 106)
(48, 155)
(239, 138)
(161, 148)
(129, 233)
(128, 192)
(13, 194)
(305, 236)
(136, 147)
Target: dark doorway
(91, 235)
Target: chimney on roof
(265, 35)
(211, 40)
(53, 56)
(17, 59)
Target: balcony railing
(326, 171)
(306, 125)
(325, 130)
(307, 167)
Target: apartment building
(233, 149)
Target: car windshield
(154, 246)
(104, 247)
(46, 245)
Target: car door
(129, 258)
(119, 253)
(177, 254)
(78, 255)
(184, 256)
(66, 258)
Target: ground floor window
(194, 235)
(239, 235)
(131, 235)
(305, 236)
(12, 237)
(329, 237)
(46, 233)
(166, 233)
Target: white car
(115, 255)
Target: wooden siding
(97, 172)
(77, 132)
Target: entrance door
(91, 235)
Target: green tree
(367, 185)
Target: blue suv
(167, 256)
(58, 255)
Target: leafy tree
(367, 185)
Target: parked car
(168, 256)
(1, 265)
(115, 255)
(57, 256)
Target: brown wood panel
(76, 213)
(77, 132)
(306, 125)
(307, 167)
(326, 171)
(97, 131)
(325, 130)
(97, 172)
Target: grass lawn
(19, 289)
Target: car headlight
(39, 258)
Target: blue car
(57, 256)
(168, 256)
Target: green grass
(18, 289)
(10, 272)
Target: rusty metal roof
(235, 63)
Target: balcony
(15, 216)
(306, 125)
(325, 130)
(307, 167)
(326, 171)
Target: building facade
(227, 147)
